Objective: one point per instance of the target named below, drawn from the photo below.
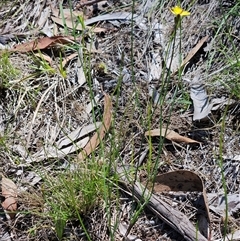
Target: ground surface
(128, 61)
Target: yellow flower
(178, 11)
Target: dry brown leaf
(181, 180)
(55, 11)
(42, 43)
(69, 24)
(9, 192)
(178, 181)
(67, 59)
(98, 136)
(170, 135)
(194, 50)
(192, 53)
(70, 14)
(45, 57)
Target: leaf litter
(58, 117)
(9, 192)
(42, 43)
(99, 135)
(170, 135)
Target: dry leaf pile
(80, 74)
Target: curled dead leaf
(170, 135)
(178, 181)
(9, 192)
(194, 50)
(42, 43)
(67, 59)
(192, 53)
(45, 57)
(99, 135)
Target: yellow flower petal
(179, 11)
(176, 10)
(184, 13)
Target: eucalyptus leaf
(201, 104)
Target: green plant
(7, 71)
(227, 77)
(41, 65)
(62, 71)
(72, 194)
